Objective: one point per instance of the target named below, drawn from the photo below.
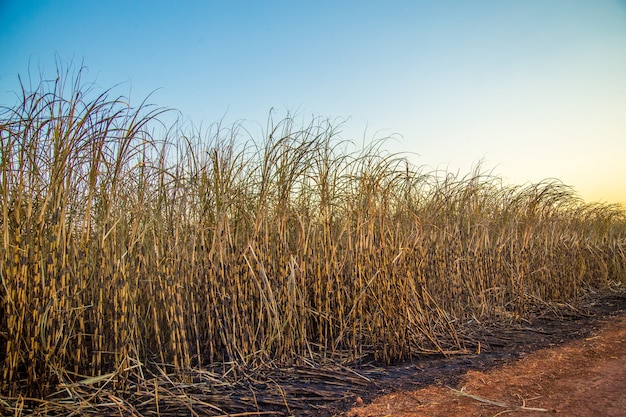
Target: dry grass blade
(510, 407)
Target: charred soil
(570, 364)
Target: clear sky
(534, 88)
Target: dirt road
(585, 377)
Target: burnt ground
(338, 391)
(324, 394)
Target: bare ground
(569, 360)
(582, 374)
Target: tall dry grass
(122, 247)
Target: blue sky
(535, 88)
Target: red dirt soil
(581, 378)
